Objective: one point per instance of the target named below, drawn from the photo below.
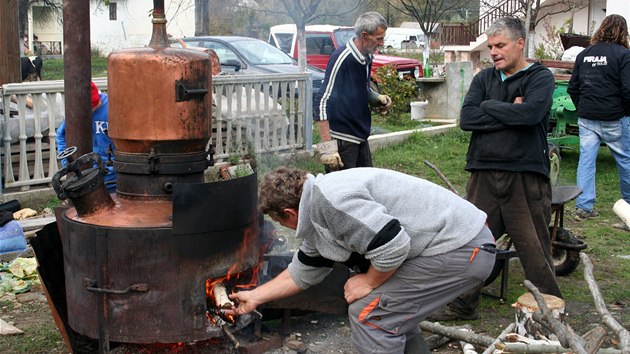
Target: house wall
(49, 30)
(619, 7)
(132, 27)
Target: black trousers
(519, 204)
(354, 155)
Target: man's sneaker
(581, 214)
(448, 313)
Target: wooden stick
(519, 347)
(441, 175)
(226, 329)
(221, 298)
(456, 333)
(564, 336)
(500, 338)
(600, 305)
(594, 339)
(467, 348)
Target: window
(315, 42)
(112, 11)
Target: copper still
(136, 261)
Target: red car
(322, 40)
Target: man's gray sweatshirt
(384, 215)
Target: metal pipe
(77, 66)
(159, 37)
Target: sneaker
(581, 214)
(621, 226)
(448, 313)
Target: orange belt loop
(472, 256)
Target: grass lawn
(53, 68)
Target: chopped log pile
(546, 332)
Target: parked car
(243, 55)
(404, 38)
(322, 40)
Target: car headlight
(401, 75)
(416, 72)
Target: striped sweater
(344, 95)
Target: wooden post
(9, 37)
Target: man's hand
(518, 100)
(356, 287)
(329, 155)
(245, 303)
(385, 102)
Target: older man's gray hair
(369, 22)
(511, 27)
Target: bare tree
(428, 14)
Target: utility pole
(9, 37)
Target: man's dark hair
(511, 27)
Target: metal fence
(261, 114)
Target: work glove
(385, 102)
(329, 155)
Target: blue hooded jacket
(100, 141)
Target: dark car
(243, 55)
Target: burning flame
(233, 276)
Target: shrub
(401, 91)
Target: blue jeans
(616, 135)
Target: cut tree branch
(600, 305)
(456, 333)
(566, 337)
(499, 339)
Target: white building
(120, 24)
(585, 21)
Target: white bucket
(418, 110)
(622, 209)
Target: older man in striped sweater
(342, 106)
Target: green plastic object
(563, 121)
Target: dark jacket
(600, 84)
(508, 136)
(343, 98)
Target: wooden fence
(263, 113)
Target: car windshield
(261, 53)
(344, 35)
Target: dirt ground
(311, 333)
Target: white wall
(618, 7)
(133, 27)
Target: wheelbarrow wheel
(565, 260)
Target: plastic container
(622, 209)
(419, 110)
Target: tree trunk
(9, 37)
(526, 305)
(301, 39)
(202, 21)
(425, 54)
